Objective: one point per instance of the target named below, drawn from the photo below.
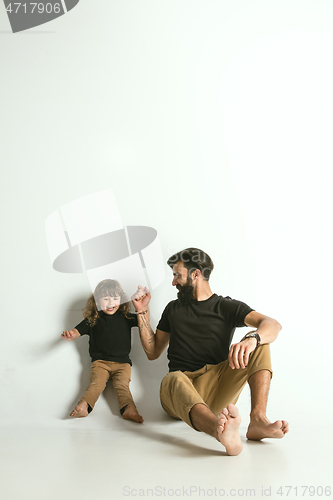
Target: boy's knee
(124, 384)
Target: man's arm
(266, 327)
(152, 343)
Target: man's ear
(196, 274)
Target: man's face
(184, 283)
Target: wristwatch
(255, 335)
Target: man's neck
(203, 291)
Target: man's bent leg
(222, 385)
(180, 399)
(260, 427)
(178, 396)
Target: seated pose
(206, 375)
(109, 329)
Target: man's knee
(262, 353)
(263, 374)
(260, 359)
(172, 385)
(174, 381)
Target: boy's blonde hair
(104, 288)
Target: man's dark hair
(193, 258)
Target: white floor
(105, 457)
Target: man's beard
(186, 292)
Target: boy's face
(109, 305)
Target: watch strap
(255, 335)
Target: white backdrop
(212, 122)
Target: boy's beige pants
(101, 371)
(215, 386)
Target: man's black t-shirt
(201, 332)
(110, 337)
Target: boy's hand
(70, 334)
(141, 298)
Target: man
(206, 377)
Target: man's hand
(70, 334)
(141, 298)
(239, 353)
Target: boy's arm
(152, 343)
(71, 334)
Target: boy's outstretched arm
(152, 343)
(71, 334)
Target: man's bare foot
(228, 430)
(131, 413)
(80, 410)
(261, 428)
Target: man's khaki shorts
(215, 386)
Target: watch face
(256, 336)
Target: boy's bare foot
(228, 430)
(131, 413)
(80, 410)
(260, 427)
